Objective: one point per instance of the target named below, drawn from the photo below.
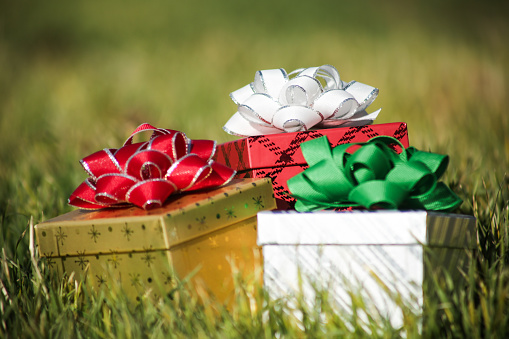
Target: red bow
(146, 173)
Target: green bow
(374, 176)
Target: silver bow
(278, 102)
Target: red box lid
(283, 149)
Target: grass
(78, 77)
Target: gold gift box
(199, 233)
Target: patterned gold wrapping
(146, 249)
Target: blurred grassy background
(76, 77)
(79, 76)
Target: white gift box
(376, 254)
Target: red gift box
(278, 156)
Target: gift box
(382, 255)
(278, 156)
(197, 233)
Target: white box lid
(366, 228)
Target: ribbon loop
(150, 193)
(373, 176)
(173, 145)
(326, 72)
(437, 163)
(203, 148)
(180, 172)
(336, 104)
(302, 90)
(295, 118)
(315, 150)
(377, 194)
(111, 188)
(259, 108)
(270, 81)
(244, 126)
(146, 174)
(414, 177)
(242, 94)
(364, 94)
(318, 88)
(148, 164)
(100, 163)
(368, 163)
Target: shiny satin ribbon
(374, 176)
(279, 102)
(147, 173)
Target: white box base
(378, 255)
